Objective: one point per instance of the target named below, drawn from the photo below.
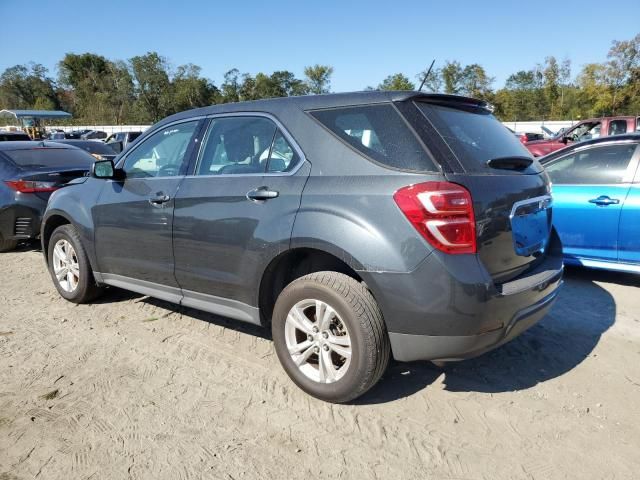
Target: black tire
(7, 245)
(86, 289)
(358, 310)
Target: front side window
(584, 131)
(245, 145)
(379, 132)
(594, 166)
(163, 153)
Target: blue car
(596, 202)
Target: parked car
(14, 137)
(76, 134)
(596, 196)
(94, 135)
(98, 150)
(121, 140)
(525, 137)
(29, 172)
(56, 135)
(584, 130)
(346, 222)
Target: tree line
(145, 88)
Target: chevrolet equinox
(356, 226)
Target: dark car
(76, 134)
(596, 195)
(14, 137)
(29, 172)
(98, 150)
(121, 140)
(355, 225)
(94, 135)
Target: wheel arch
(295, 263)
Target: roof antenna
(426, 75)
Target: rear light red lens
(443, 214)
(523, 138)
(29, 186)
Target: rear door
(235, 212)
(590, 186)
(134, 216)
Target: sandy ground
(132, 387)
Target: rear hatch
(510, 191)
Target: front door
(134, 217)
(236, 212)
(590, 186)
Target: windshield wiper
(510, 163)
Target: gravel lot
(133, 387)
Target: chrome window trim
(279, 127)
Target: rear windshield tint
(473, 134)
(50, 157)
(380, 133)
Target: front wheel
(330, 336)
(69, 266)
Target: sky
(363, 40)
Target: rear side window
(380, 133)
(50, 157)
(473, 134)
(617, 127)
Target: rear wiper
(510, 163)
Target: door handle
(159, 200)
(604, 200)
(262, 193)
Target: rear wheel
(69, 266)
(330, 336)
(7, 245)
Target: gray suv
(356, 226)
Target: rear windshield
(14, 137)
(380, 133)
(50, 157)
(473, 134)
(92, 147)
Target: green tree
(152, 85)
(191, 90)
(397, 81)
(475, 82)
(27, 86)
(318, 78)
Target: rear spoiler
(444, 99)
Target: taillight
(443, 214)
(30, 186)
(524, 138)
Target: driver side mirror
(565, 139)
(103, 169)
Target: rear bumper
(407, 348)
(21, 221)
(449, 308)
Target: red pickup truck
(585, 130)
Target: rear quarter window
(378, 132)
(473, 134)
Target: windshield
(50, 157)
(473, 134)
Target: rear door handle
(604, 200)
(159, 200)
(262, 193)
